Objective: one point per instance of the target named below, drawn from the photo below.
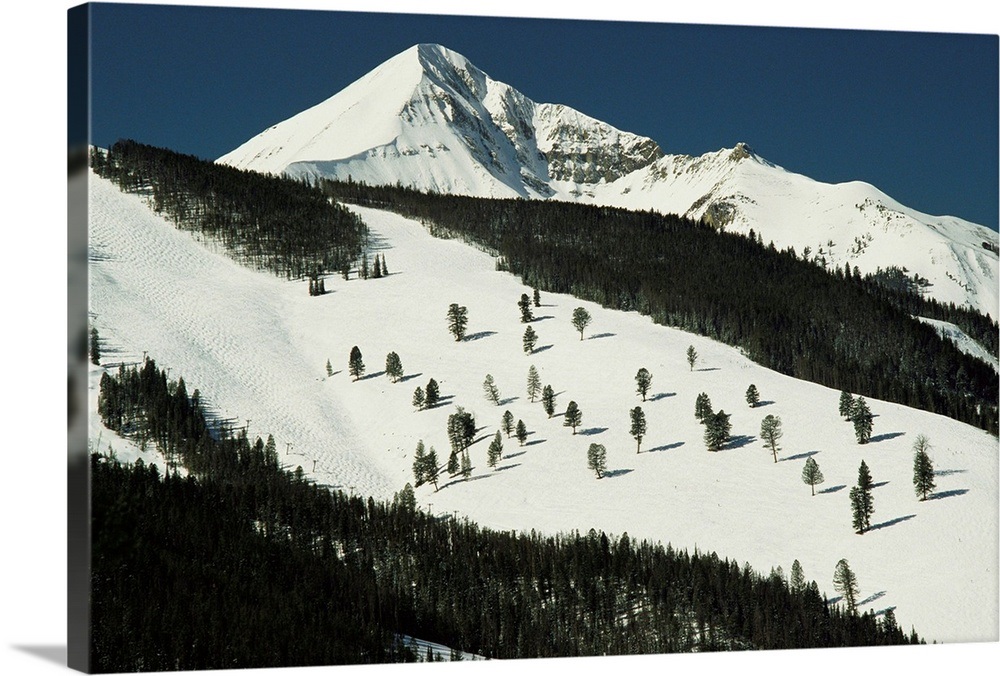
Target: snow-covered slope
(428, 118)
(256, 347)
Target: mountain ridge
(429, 119)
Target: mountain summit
(430, 119)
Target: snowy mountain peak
(428, 118)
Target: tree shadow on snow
(666, 447)
(874, 597)
(739, 441)
(879, 484)
(799, 456)
(507, 467)
(949, 472)
(543, 348)
(508, 400)
(410, 377)
(376, 374)
(892, 522)
(542, 318)
(591, 431)
(442, 401)
(710, 368)
(513, 455)
(598, 336)
(662, 395)
(478, 336)
(764, 403)
(885, 437)
(832, 489)
(535, 442)
(616, 472)
(941, 495)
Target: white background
(32, 223)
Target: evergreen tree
(530, 340)
(597, 459)
(797, 580)
(95, 347)
(418, 398)
(717, 429)
(458, 319)
(355, 365)
(385, 270)
(581, 320)
(432, 394)
(845, 582)
(753, 397)
(495, 451)
(466, 466)
(419, 464)
(549, 400)
(702, 407)
(271, 451)
(393, 366)
(364, 266)
(525, 305)
(521, 433)
(923, 469)
(453, 463)
(461, 429)
(537, 298)
(507, 423)
(862, 502)
(431, 469)
(862, 418)
(811, 474)
(573, 416)
(770, 432)
(405, 499)
(534, 383)
(329, 369)
(643, 381)
(692, 356)
(345, 270)
(638, 427)
(491, 390)
(846, 404)
(377, 268)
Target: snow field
(256, 347)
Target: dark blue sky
(912, 113)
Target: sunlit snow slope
(256, 347)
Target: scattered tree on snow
(432, 394)
(461, 429)
(377, 268)
(95, 347)
(419, 464)
(466, 466)
(862, 418)
(753, 396)
(537, 298)
(597, 459)
(458, 319)
(638, 427)
(355, 365)
(692, 356)
(491, 390)
(573, 416)
(393, 366)
(525, 305)
(846, 404)
(845, 582)
(797, 579)
(534, 383)
(431, 469)
(717, 429)
(453, 463)
(581, 320)
(521, 433)
(811, 474)
(643, 381)
(770, 432)
(702, 407)
(495, 451)
(329, 369)
(530, 340)
(862, 502)
(418, 398)
(507, 423)
(549, 400)
(923, 469)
